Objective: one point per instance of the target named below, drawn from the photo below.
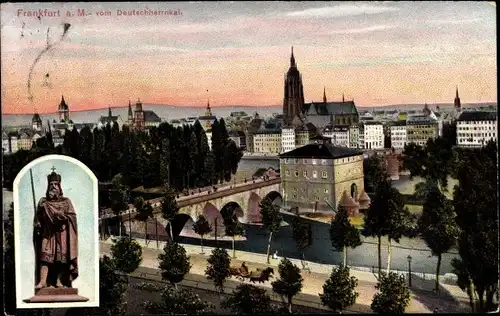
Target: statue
(55, 239)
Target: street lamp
(409, 270)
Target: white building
(398, 135)
(339, 134)
(475, 129)
(209, 138)
(373, 135)
(354, 136)
(287, 139)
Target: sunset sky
(377, 53)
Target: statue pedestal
(56, 295)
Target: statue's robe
(56, 240)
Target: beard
(54, 193)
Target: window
(288, 172)
(295, 161)
(326, 191)
(304, 161)
(294, 196)
(296, 173)
(304, 173)
(315, 174)
(316, 198)
(314, 161)
(324, 175)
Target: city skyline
(377, 53)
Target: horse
(240, 272)
(263, 276)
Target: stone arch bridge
(241, 199)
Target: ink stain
(66, 27)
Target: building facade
(239, 138)
(339, 134)
(287, 139)
(398, 135)
(475, 129)
(267, 141)
(421, 128)
(354, 136)
(314, 177)
(373, 135)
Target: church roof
(330, 108)
(108, 119)
(324, 151)
(364, 197)
(150, 116)
(207, 117)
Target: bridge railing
(195, 193)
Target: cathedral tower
(293, 102)
(457, 104)
(139, 116)
(63, 111)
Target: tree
(174, 263)
(290, 282)
(119, 202)
(271, 220)
(169, 208)
(179, 302)
(218, 268)
(126, 254)
(343, 234)
(144, 213)
(339, 291)
(374, 171)
(248, 300)
(437, 226)
(202, 227)
(210, 172)
(233, 228)
(165, 161)
(393, 295)
(475, 203)
(301, 233)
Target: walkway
(423, 300)
(196, 193)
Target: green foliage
(248, 300)
(301, 233)
(127, 254)
(218, 268)
(112, 290)
(271, 216)
(374, 172)
(342, 233)
(437, 225)
(202, 226)
(393, 295)
(165, 161)
(475, 203)
(339, 291)
(179, 302)
(290, 282)
(174, 263)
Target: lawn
(358, 221)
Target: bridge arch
(253, 211)
(215, 219)
(233, 209)
(182, 225)
(275, 197)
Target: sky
(376, 53)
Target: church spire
(343, 98)
(292, 60)
(109, 111)
(457, 101)
(324, 94)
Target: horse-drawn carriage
(258, 275)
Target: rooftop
(322, 151)
(478, 116)
(320, 108)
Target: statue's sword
(33, 193)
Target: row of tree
(179, 156)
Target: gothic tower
(139, 116)
(130, 114)
(293, 102)
(458, 106)
(63, 111)
(324, 94)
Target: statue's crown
(54, 177)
